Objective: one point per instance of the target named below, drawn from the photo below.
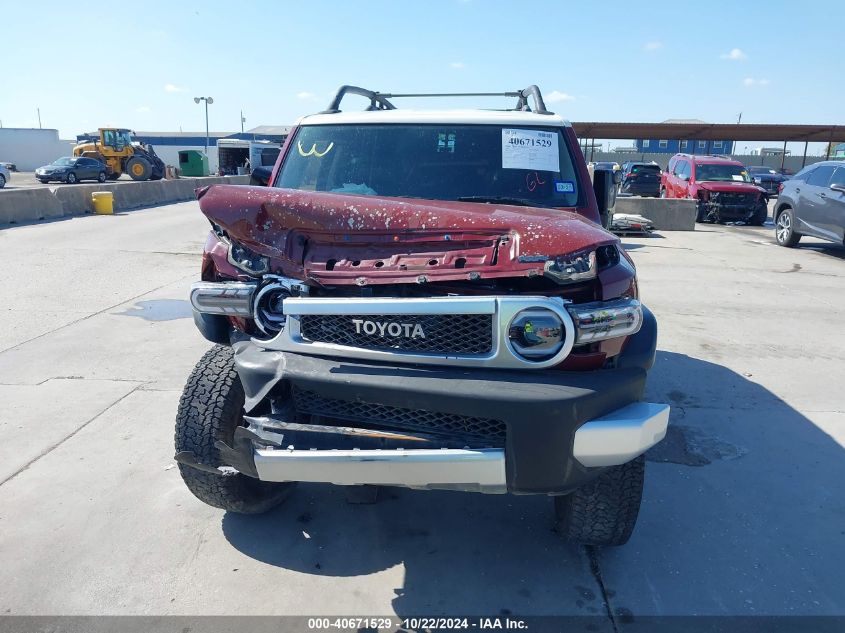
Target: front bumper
(562, 428)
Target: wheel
(114, 176)
(2, 181)
(210, 408)
(71, 179)
(785, 234)
(761, 214)
(101, 177)
(139, 168)
(604, 511)
(662, 193)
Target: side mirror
(260, 176)
(604, 186)
(837, 187)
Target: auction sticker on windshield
(530, 149)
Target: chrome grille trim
(502, 308)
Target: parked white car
(5, 175)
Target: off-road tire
(210, 409)
(785, 234)
(139, 168)
(604, 511)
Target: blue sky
(140, 66)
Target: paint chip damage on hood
(345, 239)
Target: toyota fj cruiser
(422, 299)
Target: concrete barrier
(29, 205)
(667, 214)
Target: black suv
(641, 179)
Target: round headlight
(536, 334)
(268, 308)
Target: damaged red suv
(423, 299)
(722, 187)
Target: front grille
(737, 198)
(464, 334)
(420, 420)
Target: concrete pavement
(743, 510)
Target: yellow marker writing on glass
(313, 151)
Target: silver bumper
(613, 439)
(464, 469)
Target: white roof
(495, 117)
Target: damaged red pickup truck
(422, 299)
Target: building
(674, 146)
(838, 151)
(29, 148)
(168, 144)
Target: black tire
(71, 179)
(699, 212)
(101, 177)
(2, 181)
(603, 512)
(210, 408)
(761, 214)
(139, 168)
(785, 233)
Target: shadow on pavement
(742, 504)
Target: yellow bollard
(103, 202)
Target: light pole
(208, 101)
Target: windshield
(438, 162)
(734, 173)
(64, 161)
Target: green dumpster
(193, 163)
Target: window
(702, 144)
(717, 144)
(684, 144)
(682, 168)
(821, 176)
(838, 177)
(437, 162)
(663, 144)
(804, 173)
(645, 143)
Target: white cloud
(173, 88)
(556, 96)
(652, 46)
(458, 65)
(305, 95)
(735, 55)
(749, 82)
(142, 109)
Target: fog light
(536, 334)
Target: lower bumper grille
(464, 334)
(491, 431)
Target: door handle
(797, 190)
(823, 195)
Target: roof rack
(381, 100)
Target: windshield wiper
(523, 202)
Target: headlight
(758, 180)
(571, 268)
(244, 259)
(536, 334)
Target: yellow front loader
(121, 153)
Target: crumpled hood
(338, 238)
(731, 187)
